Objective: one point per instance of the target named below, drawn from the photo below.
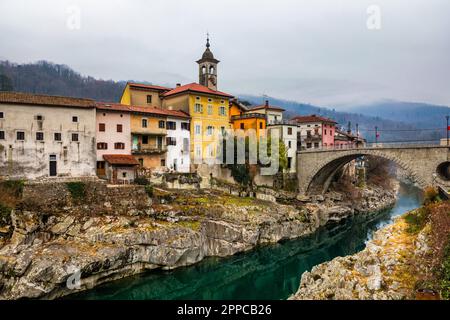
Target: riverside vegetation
(55, 231)
(409, 259)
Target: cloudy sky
(316, 51)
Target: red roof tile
(121, 159)
(159, 111)
(266, 107)
(312, 118)
(195, 87)
(45, 100)
(144, 86)
(112, 106)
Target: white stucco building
(46, 136)
(288, 134)
(178, 143)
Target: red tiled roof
(312, 118)
(112, 106)
(159, 111)
(195, 87)
(144, 86)
(121, 159)
(266, 107)
(45, 100)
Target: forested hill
(55, 79)
(396, 121)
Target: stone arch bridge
(316, 167)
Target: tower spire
(207, 40)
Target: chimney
(178, 85)
(267, 103)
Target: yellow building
(209, 115)
(207, 107)
(241, 117)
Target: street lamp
(446, 117)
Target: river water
(267, 272)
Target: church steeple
(208, 68)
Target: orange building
(242, 118)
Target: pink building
(113, 143)
(315, 132)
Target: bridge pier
(316, 167)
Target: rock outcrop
(384, 270)
(58, 247)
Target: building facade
(241, 118)
(46, 136)
(315, 132)
(178, 142)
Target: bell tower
(207, 68)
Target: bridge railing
(374, 145)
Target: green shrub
(416, 219)
(13, 186)
(149, 190)
(5, 215)
(431, 195)
(77, 190)
(142, 181)
(445, 273)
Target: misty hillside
(421, 114)
(55, 79)
(400, 122)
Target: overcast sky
(316, 51)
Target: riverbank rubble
(404, 260)
(56, 240)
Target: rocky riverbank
(403, 261)
(60, 245)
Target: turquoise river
(267, 272)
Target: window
(209, 99)
(222, 130)
(260, 125)
(325, 131)
(308, 145)
(198, 108)
(39, 117)
(57, 136)
(163, 162)
(242, 126)
(144, 123)
(316, 144)
(2, 135)
(75, 137)
(222, 111)
(74, 119)
(198, 129)
(308, 133)
(39, 136)
(171, 141)
(171, 125)
(119, 128)
(289, 162)
(102, 146)
(161, 124)
(209, 130)
(141, 162)
(101, 127)
(289, 131)
(119, 145)
(124, 174)
(20, 135)
(2, 115)
(185, 144)
(198, 151)
(144, 139)
(149, 98)
(289, 144)
(210, 109)
(100, 164)
(185, 126)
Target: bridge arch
(316, 168)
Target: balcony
(282, 122)
(248, 116)
(313, 138)
(148, 149)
